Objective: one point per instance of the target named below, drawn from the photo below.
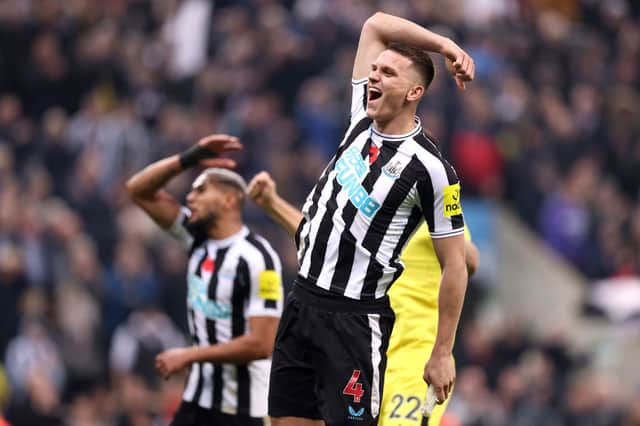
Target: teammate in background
(234, 288)
(385, 179)
(414, 299)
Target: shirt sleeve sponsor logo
(452, 204)
(269, 285)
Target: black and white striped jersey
(228, 281)
(368, 201)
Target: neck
(398, 125)
(224, 228)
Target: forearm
(451, 298)
(154, 177)
(393, 29)
(288, 216)
(239, 350)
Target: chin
(372, 114)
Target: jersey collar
(243, 232)
(378, 137)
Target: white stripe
(230, 389)
(376, 359)
(259, 377)
(206, 397)
(192, 383)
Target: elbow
(472, 266)
(375, 22)
(133, 190)
(131, 187)
(472, 258)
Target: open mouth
(374, 94)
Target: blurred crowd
(90, 92)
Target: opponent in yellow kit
(414, 298)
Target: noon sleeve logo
(452, 206)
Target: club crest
(393, 169)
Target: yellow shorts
(404, 392)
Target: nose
(190, 197)
(374, 76)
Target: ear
(230, 200)
(415, 93)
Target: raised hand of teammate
(262, 189)
(171, 361)
(459, 64)
(208, 149)
(440, 372)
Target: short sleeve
(440, 202)
(266, 295)
(358, 99)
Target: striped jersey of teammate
(369, 200)
(228, 281)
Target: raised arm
(146, 188)
(440, 369)
(381, 29)
(262, 190)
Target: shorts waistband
(311, 294)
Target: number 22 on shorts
(354, 388)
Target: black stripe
(381, 221)
(240, 294)
(298, 231)
(198, 270)
(211, 326)
(347, 247)
(269, 264)
(428, 143)
(213, 281)
(317, 190)
(425, 190)
(244, 386)
(241, 290)
(364, 96)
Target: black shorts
(191, 414)
(330, 357)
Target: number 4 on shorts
(354, 388)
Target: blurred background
(546, 142)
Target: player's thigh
(292, 382)
(403, 398)
(404, 393)
(351, 363)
